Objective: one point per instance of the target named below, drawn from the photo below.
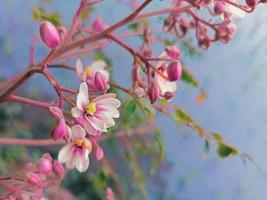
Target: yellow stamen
(79, 142)
(90, 109)
(88, 72)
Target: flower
(76, 153)
(89, 74)
(95, 115)
(164, 85)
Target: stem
(27, 101)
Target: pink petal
(76, 112)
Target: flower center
(79, 142)
(90, 109)
(88, 72)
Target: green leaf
(133, 26)
(129, 108)
(217, 137)
(206, 146)
(223, 150)
(189, 78)
(182, 116)
(157, 135)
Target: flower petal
(65, 153)
(82, 97)
(97, 123)
(76, 112)
(82, 162)
(90, 129)
(78, 132)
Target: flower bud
(219, 8)
(110, 194)
(58, 168)
(60, 130)
(99, 153)
(173, 52)
(47, 156)
(56, 112)
(45, 165)
(100, 81)
(98, 25)
(33, 178)
(153, 92)
(49, 35)
(174, 71)
(168, 95)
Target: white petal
(97, 65)
(78, 132)
(82, 163)
(97, 124)
(82, 97)
(109, 102)
(76, 112)
(79, 70)
(90, 129)
(65, 153)
(109, 95)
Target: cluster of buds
(223, 31)
(36, 178)
(162, 81)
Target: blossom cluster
(93, 114)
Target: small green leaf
(182, 116)
(217, 137)
(206, 146)
(189, 78)
(223, 150)
(129, 108)
(133, 26)
(157, 135)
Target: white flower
(95, 115)
(76, 153)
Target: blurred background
(233, 77)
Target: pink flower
(49, 35)
(164, 85)
(89, 74)
(97, 114)
(76, 153)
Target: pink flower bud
(47, 156)
(100, 81)
(98, 25)
(99, 153)
(168, 95)
(58, 168)
(173, 52)
(60, 130)
(49, 35)
(110, 194)
(56, 112)
(153, 92)
(219, 8)
(174, 71)
(45, 166)
(33, 178)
